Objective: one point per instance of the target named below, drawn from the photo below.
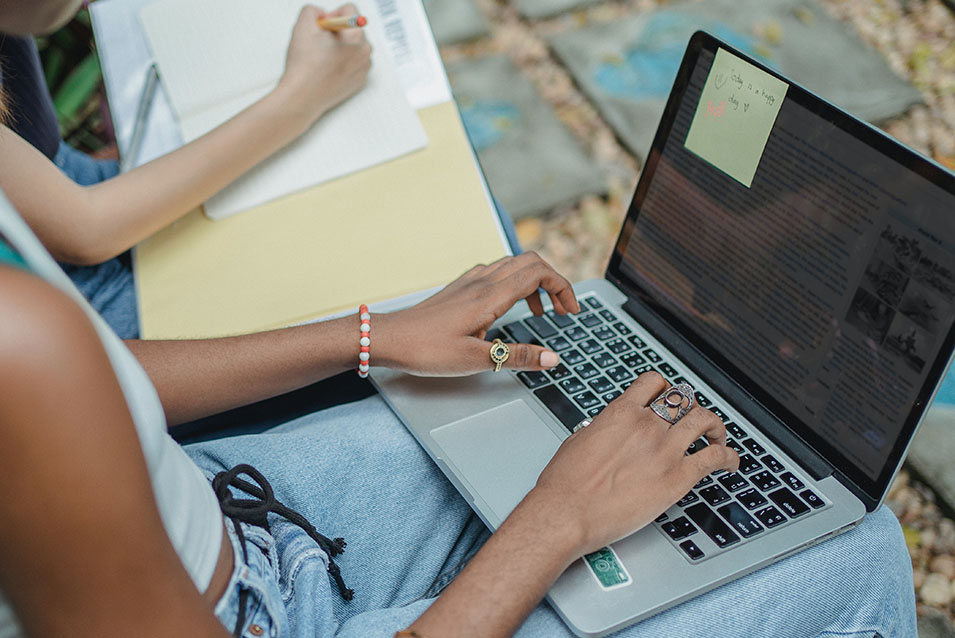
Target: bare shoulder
(37, 320)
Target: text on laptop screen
(829, 281)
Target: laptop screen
(826, 285)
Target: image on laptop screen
(826, 286)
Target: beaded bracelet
(364, 342)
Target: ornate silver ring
(674, 402)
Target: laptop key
(561, 321)
(652, 356)
(558, 343)
(736, 446)
(608, 316)
(754, 447)
(619, 374)
(790, 479)
(788, 502)
(678, 528)
(586, 400)
(680, 380)
(773, 464)
(722, 415)
(572, 386)
(590, 346)
(764, 480)
(712, 525)
(520, 334)
(703, 482)
(559, 372)
(733, 481)
(637, 341)
(533, 379)
(810, 497)
(617, 346)
(770, 517)
(601, 384)
(642, 369)
(632, 359)
(610, 396)
(689, 498)
(625, 385)
(572, 357)
(593, 302)
(496, 333)
(751, 499)
(622, 328)
(690, 549)
(714, 495)
(591, 321)
(667, 369)
(592, 412)
(748, 464)
(695, 447)
(541, 326)
(603, 333)
(702, 401)
(576, 333)
(586, 370)
(562, 407)
(604, 360)
(736, 431)
(739, 520)
(662, 517)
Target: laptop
(796, 267)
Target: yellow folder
(411, 224)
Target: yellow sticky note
(735, 115)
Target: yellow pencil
(342, 22)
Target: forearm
(196, 378)
(134, 205)
(507, 578)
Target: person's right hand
(613, 477)
(323, 68)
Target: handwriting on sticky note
(735, 115)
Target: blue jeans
(109, 286)
(355, 471)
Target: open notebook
(216, 57)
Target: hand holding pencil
(338, 23)
(323, 67)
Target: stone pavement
(626, 67)
(531, 161)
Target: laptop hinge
(738, 399)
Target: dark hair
(4, 107)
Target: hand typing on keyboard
(616, 475)
(444, 334)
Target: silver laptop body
(811, 456)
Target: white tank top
(187, 505)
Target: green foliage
(72, 72)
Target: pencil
(342, 22)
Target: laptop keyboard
(600, 357)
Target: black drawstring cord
(255, 511)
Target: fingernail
(549, 359)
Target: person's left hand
(444, 335)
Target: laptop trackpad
(499, 453)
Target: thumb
(523, 356)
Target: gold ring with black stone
(499, 354)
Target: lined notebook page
(216, 57)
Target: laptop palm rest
(499, 453)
